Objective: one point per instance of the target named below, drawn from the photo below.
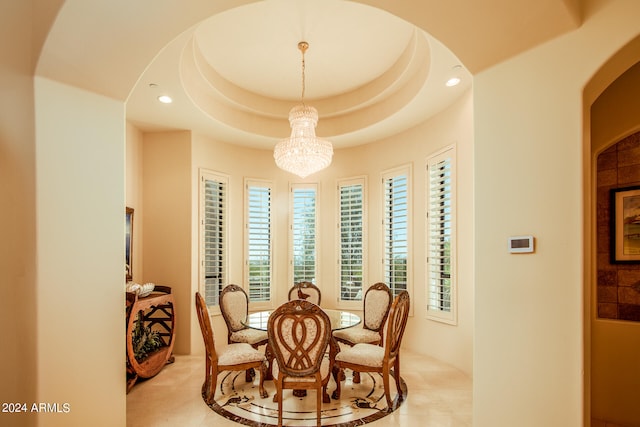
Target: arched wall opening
(96, 101)
(611, 327)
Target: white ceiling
(234, 75)
(347, 47)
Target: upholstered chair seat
(234, 357)
(364, 357)
(357, 335)
(377, 302)
(249, 336)
(363, 354)
(234, 305)
(234, 354)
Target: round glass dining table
(340, 319)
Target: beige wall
(167, 222)
(133, 195)
(18, 312)
(528, 363)
(80, 224)
(528, 321)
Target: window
(351, 224)
(440, 236)
(213, 234)
(303, 232)
(396, 220)
(258, 240)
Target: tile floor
(599, 423)
(439, 395)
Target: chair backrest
(299, 333)
(397, 322)
(205, 327)
(377, 302)
(305, 291)
(234, 305)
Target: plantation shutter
(351, 241)
(304, 234)
(440, 234)
(259, 242)
(214, 238)
(396, 216)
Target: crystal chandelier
(303, 153)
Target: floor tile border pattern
(239, 392)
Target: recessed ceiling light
(453, 81)
(165, 99)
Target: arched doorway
(611, 298)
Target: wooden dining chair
(234, 305)
(377, 302)
(364, 357)
(299, 334)
(305, 291)
(234, 357)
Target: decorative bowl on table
(141, 290)
(146, 289)
(133, 287)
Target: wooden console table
(156, 311)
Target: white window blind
(214, 236)
(351, 238)
(258, 229)
(396, 229)
(303, 231)
(440, 229)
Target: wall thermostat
(520, 244)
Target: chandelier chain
(303, 47)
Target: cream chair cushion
(249, 336)
(362, 354)
(357, 335)
(235, 354)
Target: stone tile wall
(618, 295)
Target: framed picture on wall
(625, 224)
(128, 244)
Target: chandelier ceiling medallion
(303, 153)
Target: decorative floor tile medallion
(359, 404)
